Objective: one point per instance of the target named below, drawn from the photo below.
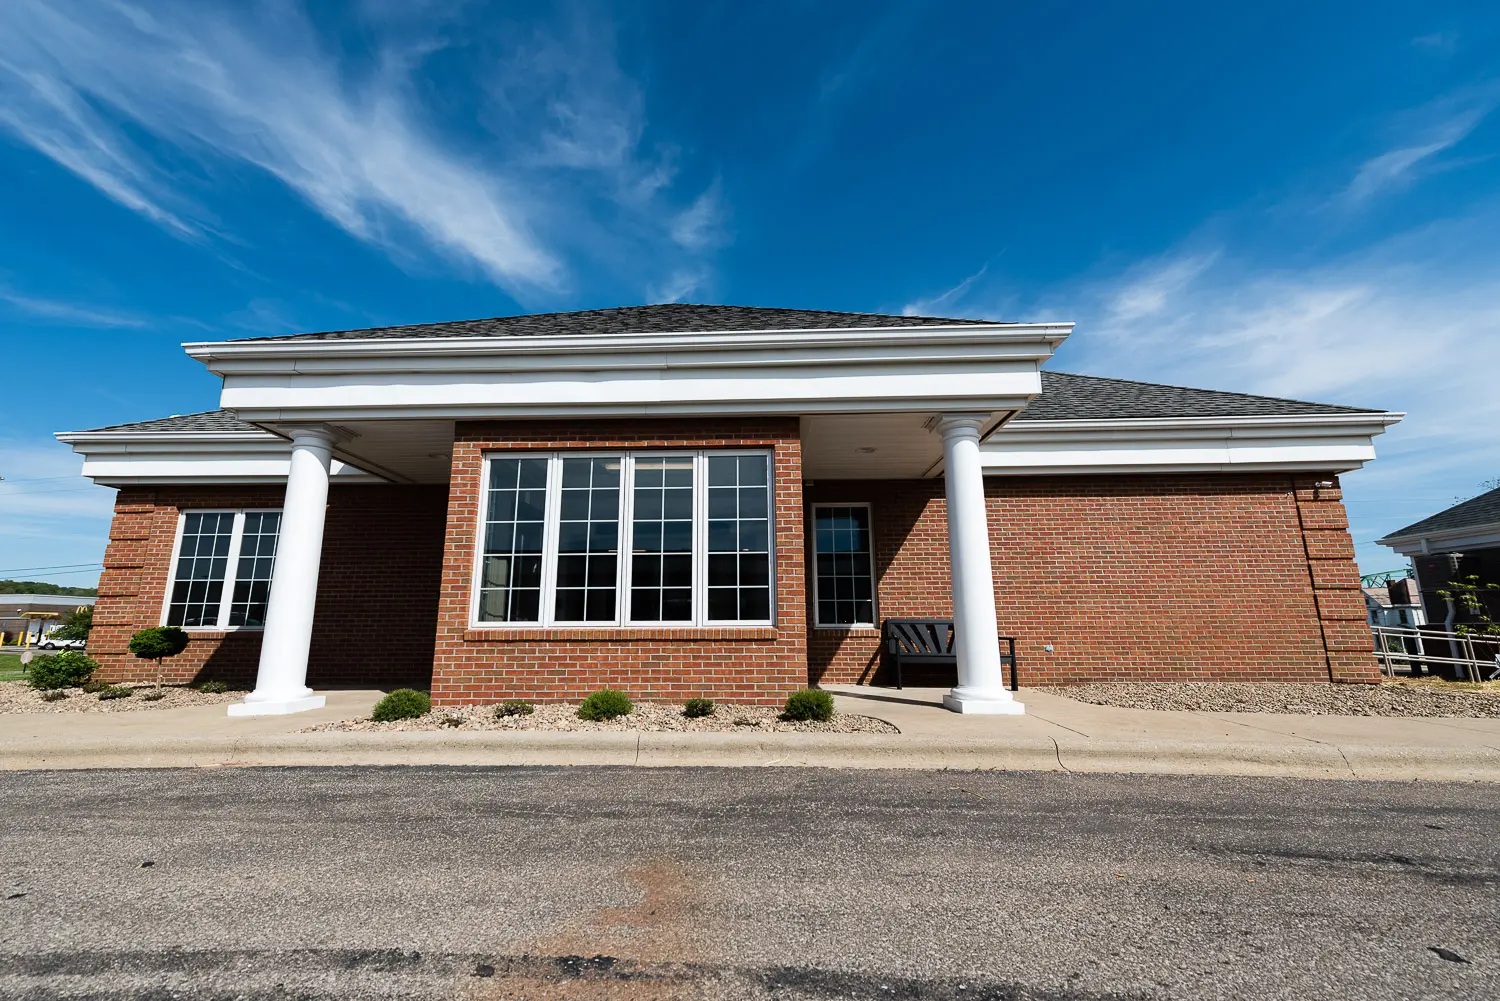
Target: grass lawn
(10, 667)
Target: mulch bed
(1321, 699)
(16, 697)
(647, 716)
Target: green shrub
(153, 696)
(515, 707)
(68, 669)
(606, 703)
(115, 692)
(403, 703)
(54, 695)
(213, 688)
(157, 643)
(94, 687)
(698, 708)
(808, 704)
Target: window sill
(619, 634)
(853, 627)
(220, 630)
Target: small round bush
(54, 695)
(68, 669)
(115, 692)
(213, 688)
(403, 703)
(698, 708)
(808, 704)
(94, 687)
(606, 703)
(155, 696)
(515, 707)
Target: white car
(58, 643)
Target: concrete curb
(1311, 760)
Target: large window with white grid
(653, 538)
(221, 569)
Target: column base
(981, 704)
(284, 707)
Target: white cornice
(1331, 443)
(129, 458)
(1449, 540)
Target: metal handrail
(1474, 663)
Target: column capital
(958, 423)
(316, 433)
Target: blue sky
(1295, 199)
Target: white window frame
(550, 532)
(812, 549)
(231, 566)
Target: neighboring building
(1454, 544)
(1396, 604)
(708, 500)
(36, 615)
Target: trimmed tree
(158, 643)
(77, 625)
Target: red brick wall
(377, 588)
(758, 665)
(1129, 578)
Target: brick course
(377, 588)
(760, 665)
(1129, 578)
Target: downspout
(1311, 581)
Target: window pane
(202, 560)
(587, 541)
(662, 539)
(252, 575)
(739, 539)
(842, 560)
(511, 568)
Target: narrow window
(661, 565)
(202, 561)
(510, 588)
(739, 538)
(844, 581)
(252, 575)
(588, 540)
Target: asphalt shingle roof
(1481, 510)
(1068, 397)
(210, 420)
(669, 318)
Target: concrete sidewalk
(1057, 734)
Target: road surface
(742, 883)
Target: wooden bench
(930, 641)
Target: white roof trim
(145, 458)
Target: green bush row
(807, 704)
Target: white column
(976, 640)
(281, 682)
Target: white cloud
(701, 226)
(678, 285)
(49, 515)
(67, 312)
(144, 106)
(941, 301)
(1428, 131)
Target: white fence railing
(1476, 656)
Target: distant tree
(158, 643)
(77, 624)
(42, 587)
(1469, 593)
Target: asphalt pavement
(689, 883)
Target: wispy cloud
(49, 515)
(701, 226)
(1427, 132)
(1437, 41)
(941, 301)
(67, 312)
(142, 104)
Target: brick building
(706, 500)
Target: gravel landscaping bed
(648, 716)
(1321, 699)
(18, 698)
